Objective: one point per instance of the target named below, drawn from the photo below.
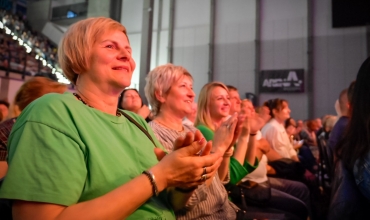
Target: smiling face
(111, 63)
(219, 105)
(179, 99)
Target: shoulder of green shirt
(145, 125)
(207, 133)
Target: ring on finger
(204, 170)
(203, 177)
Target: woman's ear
(159, 97)
(274, 111)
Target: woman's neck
(280, 121)
(170, 121)
(103, 101)
(218, 121)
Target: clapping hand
(226, 135)
(185, 167)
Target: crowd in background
(222, 146)
(14, 56)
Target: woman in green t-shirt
(76, 156)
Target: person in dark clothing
(345, 98)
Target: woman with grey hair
(169, 90)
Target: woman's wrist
(160, 177)
(151, 177)
(229, 152)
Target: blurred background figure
(28, 92)
(344, 100)
(4, 109)
(291, 130)
(130, 100)
(327, 126)
(234, 99)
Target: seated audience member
(327, 126)
(28, 92)
(169, 92)
(190, 118)
(337, 133)
(308, 133)
(235, 100)
(308, 153)
(130, 100)
(299, 128)
(354, 149)
(291, 130)
(4, 108)
(274, 131)
(71, 153)
(213, 110)
(286, 195)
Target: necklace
(118, 113)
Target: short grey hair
(160, 80)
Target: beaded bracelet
(151, 177)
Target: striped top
(207, 202)
(5, 129)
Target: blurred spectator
(28, 92)
(130, 100)
(4, 108)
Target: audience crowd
(14, 56)
(63, 155)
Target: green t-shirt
(237, 171)
(64, 152)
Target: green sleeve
(51, 163)
(238, 172)
(207, 133)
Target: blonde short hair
(160, 80)
(74, 48)
(203, 113)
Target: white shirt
(275, 134)
(259, 175)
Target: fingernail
(201, 141)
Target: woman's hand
(144, 111)
(225, 136)
(250, 122)
(184, 167)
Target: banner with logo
(285, 81)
